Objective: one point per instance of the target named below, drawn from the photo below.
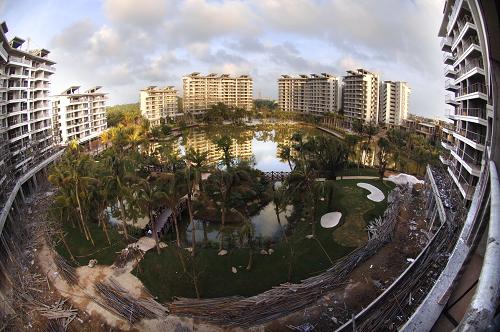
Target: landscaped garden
(240, 230)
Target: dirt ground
(368, 280)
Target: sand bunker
(375, 195)
(331, 219)
(404, 179)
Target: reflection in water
(265, 225)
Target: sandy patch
(330, 219)
(376, 195)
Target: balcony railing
(473, 88)
(473, 160)
(471, 111)
(475, 137)
(450, 85)
(446, 43)
(20, 60)
(475, 63)
(466, 43)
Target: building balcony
(471, 161)
(479, 113)
(446, 44)
(446, 160)
(46, 68)
(451, 86)
(473, 67)
(450, 100)
(449, 72)
(455, 10)
(465, 188)
(19, 61)
(448, 58)
(474, 139)
(476, 90)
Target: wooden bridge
(276, 176)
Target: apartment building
(361, 96)
(158, 103)
(201, 92)
(466, 69)
(316, 93)
(25, 118)
(79, 116)
(394, 99)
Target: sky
(126, 45)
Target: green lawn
(83, 250)
(163, 274)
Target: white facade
(79, 116)
(201, 92)
(361, 96)
(467, 81)
(25, 117)
(158, 103)
(315, 93)
(394, 99)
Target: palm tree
(198, 161)
(150, 197)
(285, 153)
(383, 156)
(174, 189)
(280, 200)
(246, 233)
(71, 176)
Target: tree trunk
(205, 235)
(155, 231)
(193, 230)
(250, 260)
(104, 227)
(124, 218)
(84, 224)
(174, 218)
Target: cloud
(125, 45)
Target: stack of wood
(67, 271)
(125, 305)
(59, 316)
(128, 254)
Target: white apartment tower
(361, 96)
(291, 93)
(315, 93)
(468, 83)
(394, 98)
(79, 116)
(201, 92)
(158, 103)
(25, 118)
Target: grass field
(163, 274)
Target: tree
(383, 156)
(371, 130)
(281, 201)
(285, 153)
(150, 198)
(73, 177)
(351, 142)
(174, 189)
(224, 144)
(358, 126)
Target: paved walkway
(357, 177)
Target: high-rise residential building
(25, 117)
(291, 92)
(79, 116)
(468, 82)
(201, 92)
(315, 93)
(158, 103)
(394, 98)
(361, 96)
